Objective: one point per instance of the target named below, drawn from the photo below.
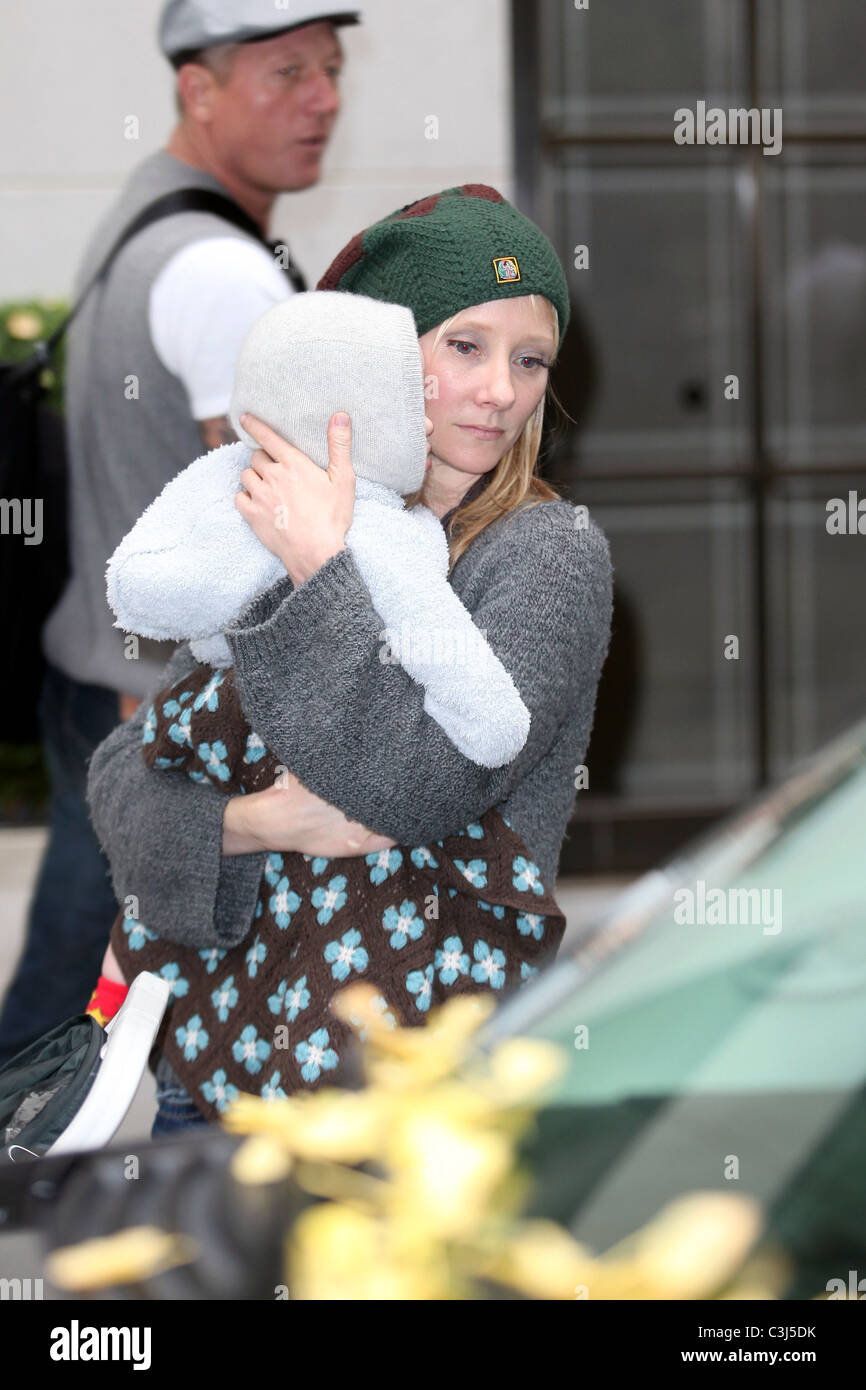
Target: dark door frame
(612, 836)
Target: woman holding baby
(380, 851)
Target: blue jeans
(74, 905)
(175, 1107)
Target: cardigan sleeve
(314, 685)
(309, 672)
(162, 836)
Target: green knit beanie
(449, 251)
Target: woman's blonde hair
(514, 479)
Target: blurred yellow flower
(444, 1174)
(124, 1258)
(518, 1070)
(404, 1057)
(260, 1160)
(422, 1192)
(692, 1248)
(340, 1253)
(345, 1126)
(541, 1260)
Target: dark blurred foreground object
(182, 1185)
(705, 1055)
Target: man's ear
(195, 88)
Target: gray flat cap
(191, 24)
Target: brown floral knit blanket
(461, 915)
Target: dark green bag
(43, 1087)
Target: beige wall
(71, 73)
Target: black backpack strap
(178, 200)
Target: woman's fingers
(360, 840)
(340, 446)
(289, 817)
(274, 448)
(314, 506)
(261, 433)
(272, 445)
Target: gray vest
(124, 444)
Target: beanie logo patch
(506, 268)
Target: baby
(192, 564)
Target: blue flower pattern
(255, 956)
(422, 856)
(219, 1091)
(255, 748)
(452, 961)
(214, 755)
(316, 1055)
(224, 998)
(273, 868)
(530, 924)
(403, 923)
(318, 865)
(212, 957)
(192, 1037)
(329, 900)
(475, 872)
(346, 955)
(272, 1090)
(297, 998)
(209, 697)
(527, 876)
(420, 984)
(383, 863)
(284, 903)
(251, 1050)
(179, 731)
(489, 967)
(171, 972)
(137, 934)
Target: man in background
(150, 364)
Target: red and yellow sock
(106, 999)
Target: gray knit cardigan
(353, 729)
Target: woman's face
(489, 371)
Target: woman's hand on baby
(289, 817)
(300, 511)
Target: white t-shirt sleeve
(202, 304)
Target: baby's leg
(110, 992)
(110, 968)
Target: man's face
(271, 120)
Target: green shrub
(25, 322)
